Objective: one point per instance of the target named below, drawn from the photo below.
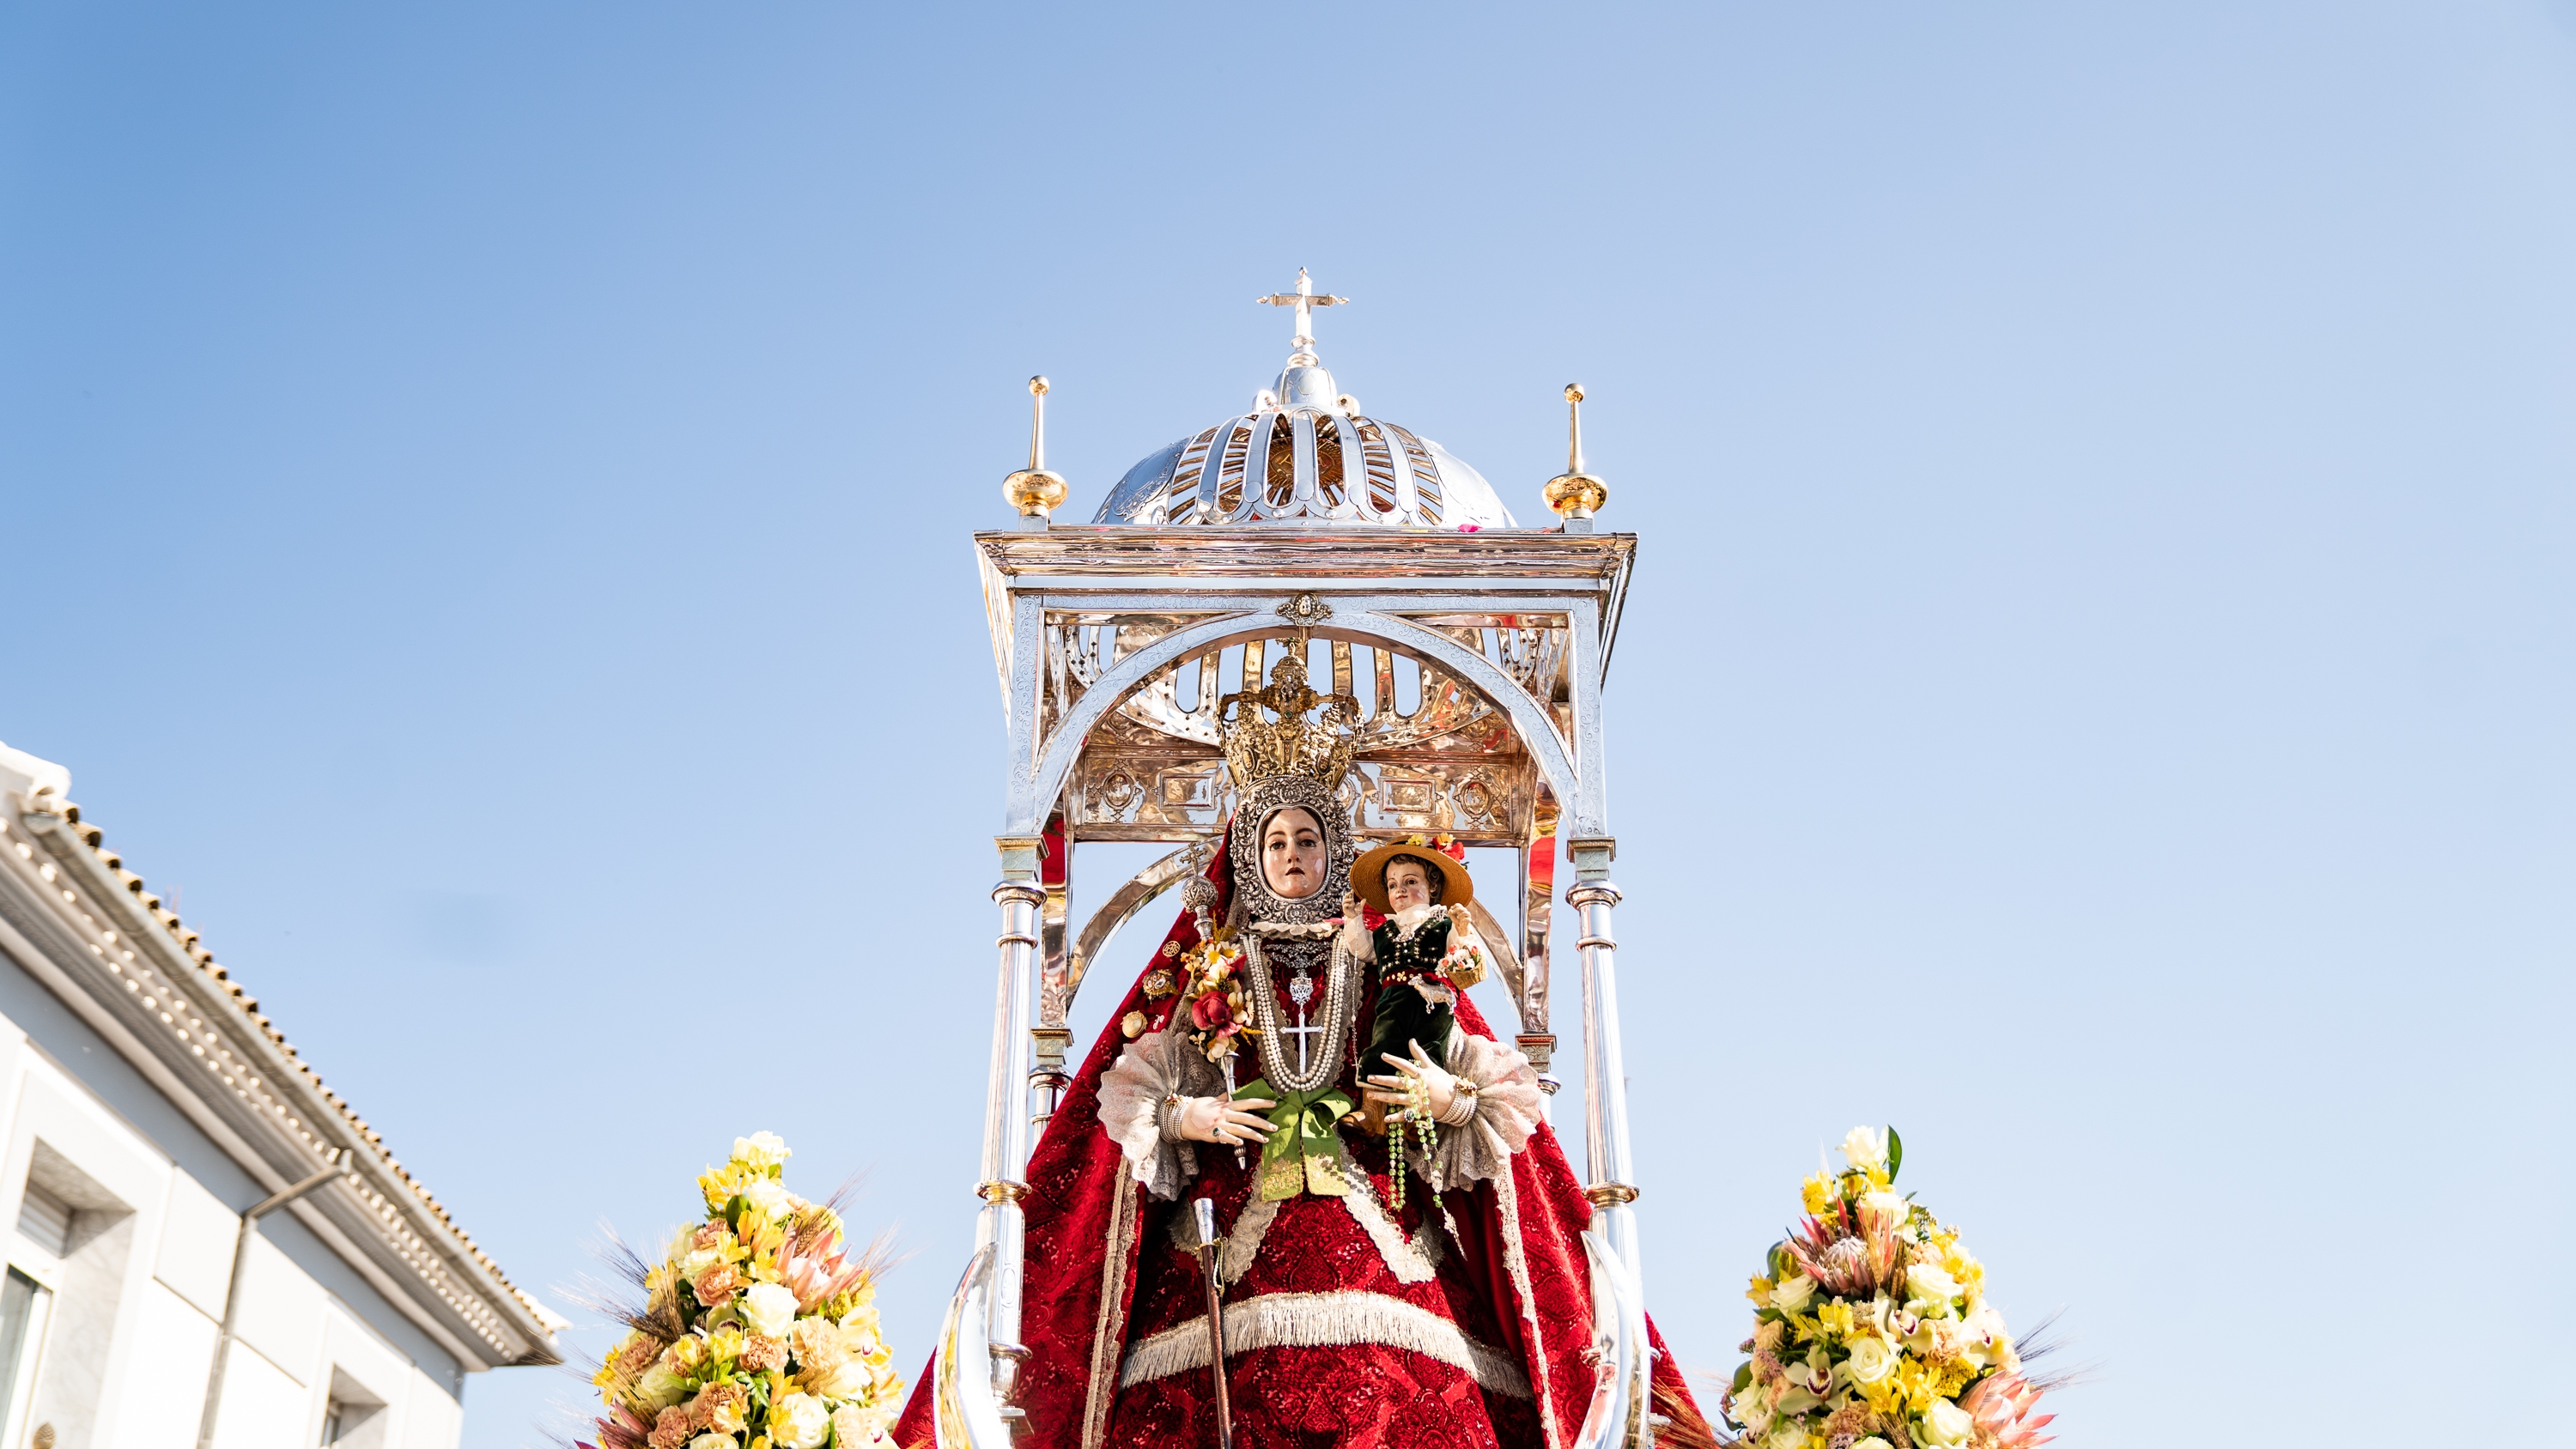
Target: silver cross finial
(1305, 299)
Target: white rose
(768, 1309)
(767, 1198)
(1872, 1358)
(1793, 1292)
(660, 1387)
(1865, 1148)
(1933, 1282)
(1889, 1207)
(1872, 1442)
(761, 1149)
(799, 1421)
(1789, 1436)
(1943, 1423)
(713, 1440)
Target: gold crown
(1258, 749)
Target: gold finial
(1574, 494)
(1305, 299)
(1033, 490)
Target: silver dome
(1305, 455)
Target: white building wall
(138, 1294)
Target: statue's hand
(1355, 936)
(1222, 1120)
(1438, 1090)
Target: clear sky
(486, 493)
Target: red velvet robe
(1104, 1273)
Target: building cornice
(134, 972)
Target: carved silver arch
(1037, 790)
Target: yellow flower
(1816, 1193)
(1760, 1292)
(1836, 1319)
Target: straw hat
(1368, 873)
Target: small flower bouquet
(1212, 998)
(1465, 965)
(1871, 1328)
(758, 1329)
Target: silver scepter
(1242, 1162)
(1206, 1210)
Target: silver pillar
(1006, 1106)
(1612, 1188)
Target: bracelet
(1462, 1104)
(1163, 1122)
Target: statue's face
(1292, 854)
(1408, 884)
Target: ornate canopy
(1472, 653)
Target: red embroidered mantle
(1105, 1275)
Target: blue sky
(487, 492)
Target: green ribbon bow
(1305, 1154)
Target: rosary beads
(1416, 1114)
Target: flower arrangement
(1871, 1327)
(758, 1329)
(1212, 997)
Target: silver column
(1624, 1410)
(1006, 1106)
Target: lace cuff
(1153, 1067)
(1508, 1108)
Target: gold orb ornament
(1575, 495)
(1033, 490)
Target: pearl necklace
(1326, 1064)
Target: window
(22, 1329)
(333, 1416)
(45, 1220)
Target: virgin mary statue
(1399, 1258)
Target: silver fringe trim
(1233, 1256)
(1324, 1320)
(1414, 1262)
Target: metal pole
(1006, 1106)
(338, 1164)
(1206, 1210)
(1605, 1076)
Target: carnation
(716, 1285)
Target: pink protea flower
(815, 1263)
(2001, 1405)
(622, 1428)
